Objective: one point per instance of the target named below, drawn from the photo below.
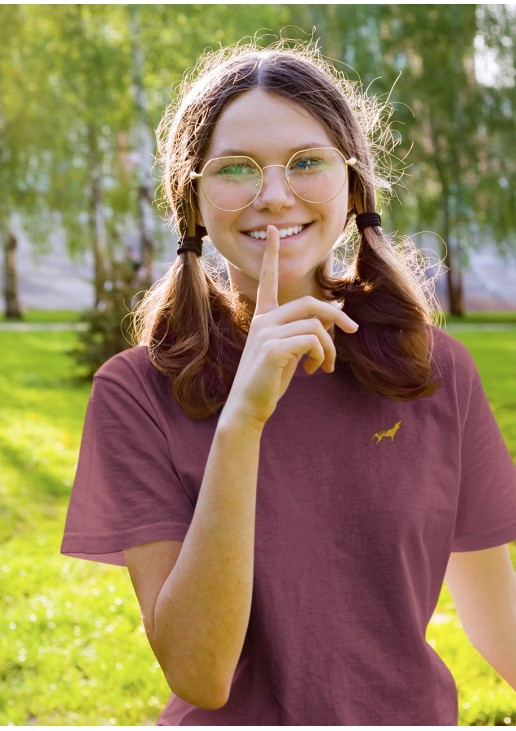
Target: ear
(200, 230)
(351, 210)
(351, 204)
(195, 211)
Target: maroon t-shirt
(360, 501)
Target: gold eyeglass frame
(198, 176)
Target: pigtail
(386, 293)
(186, 321)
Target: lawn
(39, 316)
(71, 645)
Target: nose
(275, 193)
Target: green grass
(38, 316)
(72, 650)
(495, 356)
(71, 645)
(482, 317)
(42, 316)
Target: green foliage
(74, 66)
(17, 189)
(71, 644)
(107, 328)
(454, 121)
(71, 128)
(84, 111)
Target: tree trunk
(452, 259)
(12, 304)
(455, 290)
(97, 227)
(145, 155)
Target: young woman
(291, 462)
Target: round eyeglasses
(232, 183)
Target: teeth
(283, 232)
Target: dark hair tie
(190, 243)
(369, 218)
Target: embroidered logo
(386, 433)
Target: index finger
(267, 294)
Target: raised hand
(277, 339)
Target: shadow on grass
(39, 486)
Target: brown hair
(195, 327)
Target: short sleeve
(126, 490)
(486, 515)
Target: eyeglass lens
(316, 176)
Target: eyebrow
(233, 152)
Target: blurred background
(82, 89)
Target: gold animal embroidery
(386, 433)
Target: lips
(284, 231)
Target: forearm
(500, 653)
(202, 612)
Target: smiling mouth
(284, 233)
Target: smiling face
(270, 128)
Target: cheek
(210, 217)
(341, 212)
(213, 223)
(221, 228)
(336, 215)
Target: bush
(106, 329)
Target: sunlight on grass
(495, 356)
(73, 647)
(484, 698)
(37, 316)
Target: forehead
(260, 123)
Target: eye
(237, 169)
(307, 164)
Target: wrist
(234, 420)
